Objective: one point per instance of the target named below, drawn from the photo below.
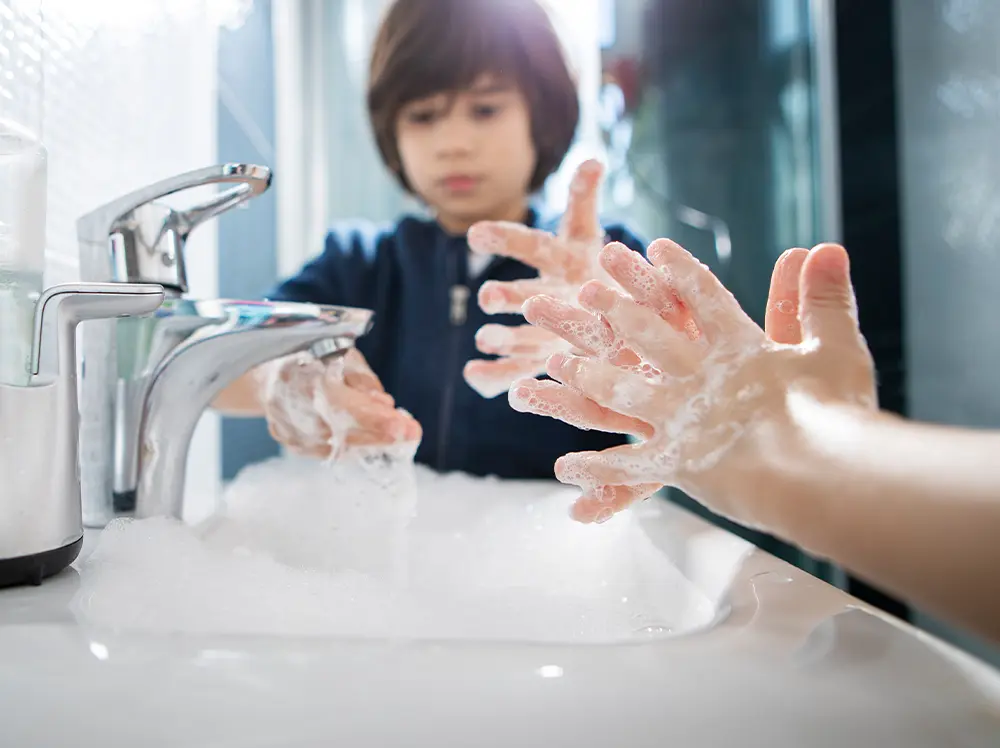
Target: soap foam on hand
(345, 549)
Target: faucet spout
(189, 378)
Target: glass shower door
(723, 144)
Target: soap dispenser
(41, 525)
(23, 179)
(41, 519)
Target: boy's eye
(485, 111)
(421, 116)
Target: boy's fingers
(534, 247)
(507, 297)
(555, 400)
(522, 341)
(580, 222)
(493, 378)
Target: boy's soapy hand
(720, 402)
(318, 408)
(564, 261)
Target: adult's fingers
(624, 391)
(829, 309)
(716, 312)
(646, 284)
(781, 319)
(626, 465)
(642, 330)
(600, 504)
(584, 331)
(555, 400)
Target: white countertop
(794, 662)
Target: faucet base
(32, 569)
(123, 501)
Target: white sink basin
(422, 558)
(783, 660)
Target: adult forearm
(912, 507)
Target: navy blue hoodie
(414, 276)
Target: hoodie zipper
(458, 309)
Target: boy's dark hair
(427, 47)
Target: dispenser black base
(36, 567)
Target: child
(473, 107)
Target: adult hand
(719, 401)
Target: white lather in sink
(755, 652)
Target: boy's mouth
(460, 182)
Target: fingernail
(566, 469)
(560, 468)
(604, 515)
(578, 513)
(789, 253)
(605, 494)
(492, 338)
(483, 383)
(540, 307)
(597, 297)
(491, 296)
(486, 238)
(617, 257)
(831, 262)
(557, 362)
(383, 397)
(529, 309)
(519, 397)
(662, 250)
(413, 431)
(586, 173)
(615, 249)
(789, 266)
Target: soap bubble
(373, 546)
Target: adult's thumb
(827, 305)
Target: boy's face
(469, 155)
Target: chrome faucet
(41, 529)
(135, 236)
(146, 382)
(187, 380)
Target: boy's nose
(455, 136)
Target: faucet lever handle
(146, 239)
(61, 308)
